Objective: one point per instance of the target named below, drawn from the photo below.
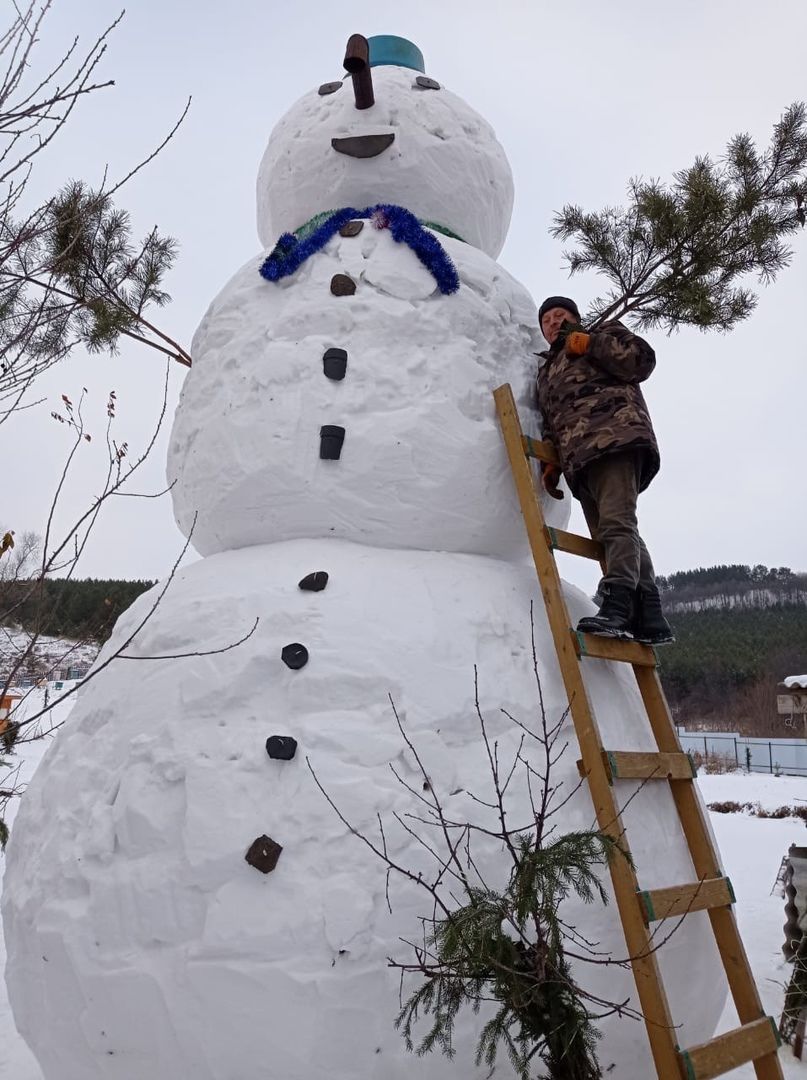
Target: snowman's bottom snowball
(140, 941)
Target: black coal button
(294, 656)
(334, 363)
(331, 437)
(314, 582)
(329, 88)
(281, 747)
(425, 83)
(263, 854)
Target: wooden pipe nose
(357, 64)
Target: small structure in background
(7, 702)
(67, 674)
(791, 702)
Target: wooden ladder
(757, 1038)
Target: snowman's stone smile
(363, 146)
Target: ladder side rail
(705, 859)
(652, 997)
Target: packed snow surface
(751, 849)
(422, 465)
(444, 164)
(768, 790)
(128, 892)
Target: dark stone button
(281, 747)
(328, 88)
(315, 582)
(342, 285)
(294, 656)
(331, 437)
(352, 228)
(334, 363)
(263, 854)
(425, 83)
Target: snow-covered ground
(766, 789)
(751, 847)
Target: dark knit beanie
(558, 301)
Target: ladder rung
(608, 648)
(574, 544)
(726, 1052)
(681, 899)
(646, 765)
(543, 451)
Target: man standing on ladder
(595, 415)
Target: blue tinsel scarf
(290, 251)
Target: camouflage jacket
(591, 405)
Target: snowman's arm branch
(513, 767)
(547, 738)
(195, 652)
(435, 804)
(382, 851)
(444, 864)
(437, 820)
(493, 761)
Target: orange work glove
(577, 343)
(550, 477)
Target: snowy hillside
(25, 659)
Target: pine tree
(71, 272)
(78, 277)
(677, 253)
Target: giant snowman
(336, 455)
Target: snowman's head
(418, 146)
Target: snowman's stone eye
(328, 88)
(423, 82)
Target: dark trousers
(608, 490)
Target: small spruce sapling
(506, 947)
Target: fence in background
(787, 756)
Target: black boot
(649, 625)
(614, 618)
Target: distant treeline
(732, 586)
(725, 574)
(77, 609)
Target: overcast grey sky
(583, 95)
